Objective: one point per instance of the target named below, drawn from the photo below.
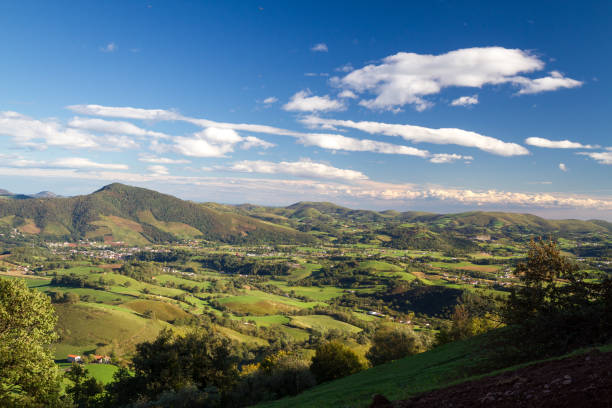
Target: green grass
(380, 266)
(396, 380)
(160, 279)
(304, 271)
(322, 323)
(270, 320)
(101, 328)
(240, 337)
(102, 372)
(163, 311)
(260, 303)
(312, 292)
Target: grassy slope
(395, 380)
(137, 216)
(90, 326)
(444, 366)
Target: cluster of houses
(74, 358)
(92, 250)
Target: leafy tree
(390, 344)
(542, 289)
(85, 390)
(28, 376)
(278, 375)
(556, 309)
(201, 359)
(476, 313)
(334, 360)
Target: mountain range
(121, 213)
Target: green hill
(396, 380)
(453, 363)
(138, 216)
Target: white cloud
(323, 140)
(555, 81)
(345, 68)
(302, 101)
(108, 126)
(401, 194)
(158, 170)
(600, 157)
(339, 142)
(270, 100)
(210, 142)
(439, 158)
(161, 160)
(110, 47)
(321, 47)
(303, 168)
(465, 101)
(422, 134)
(562, 167)
(40, 134)
(406, 78)
(125, 112)
(84, 163)
(556, 144)
(252, 141)
(347, 94)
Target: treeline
(243, 266)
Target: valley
(124, 264)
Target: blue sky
(440, 106)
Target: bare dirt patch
(29, 228)
(580, 381)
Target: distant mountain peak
(4, 192)
(45, 194)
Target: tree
(556, 309)
(542, 290)
(476, 313)
(85, 390)
(334, 360)
(202, 359)
(390, 344)
(28, 376)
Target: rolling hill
(134, 215)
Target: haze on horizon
(436, 107)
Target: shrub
(334, 360)
(390, 344)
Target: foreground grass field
(395, 380)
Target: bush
(334, 360)
(275, 377)
(390, 344)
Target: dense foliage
(28, 376)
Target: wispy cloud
(304, 101)
(108, 126)
(326, 190)
(110, 47)
(326, 140)
(600, 157)
(320, 47)
(562, 167)
(147, 158)
(556, 144)
(303, 168)
(422, 134)
(270, 100)
(465, 101)
(440, 158)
